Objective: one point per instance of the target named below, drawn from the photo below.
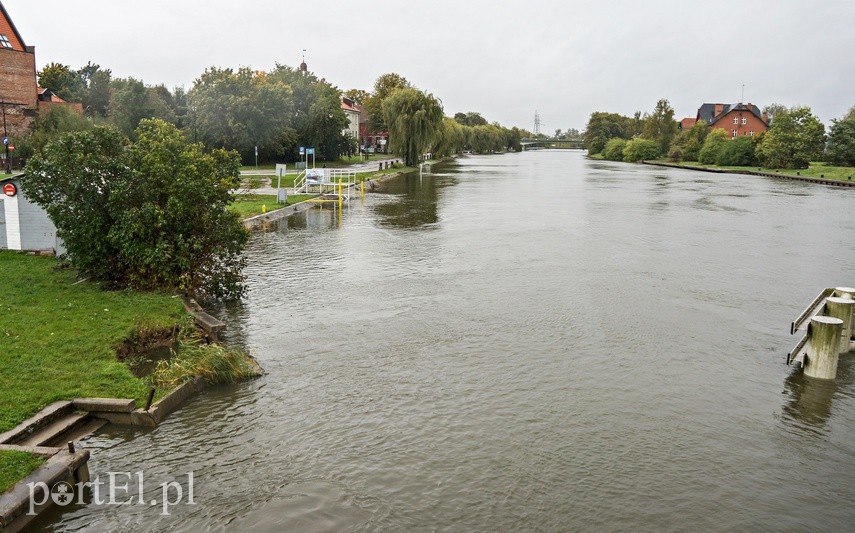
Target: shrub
(639, 149)
(614, 149)
(714, 145)
(738, 153)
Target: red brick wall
(18, 86)
(752, 123)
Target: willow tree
(414, 120)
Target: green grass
(58, 338)
(248, 205)
(816, 170)
(15, 466)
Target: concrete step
(75, 434)
(34, 424)
(54, 431)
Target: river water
(528, 341)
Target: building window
(734, 133)
(735, 120)
(751, 133)
(4, 41)
(744, 120)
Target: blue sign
(310, 151)
(6, 141)
(302, 150)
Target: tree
(602, 127)
(795, 139)
(688, 143)
(129, 104)
(661, 126)
(54, 122)
(152, 215)
(841, 141)
(383, 87)
(243, 109)
(357, 95)
(64, 82)
(714, 145)
(414, 119)
(96, 91)
(773, 110)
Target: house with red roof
(736, 119)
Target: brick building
(18, 88)
(736, 119)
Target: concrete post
(848, 293)
(841, 308)
(823, 347)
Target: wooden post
(823, 347)
(841, 308)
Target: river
(530, 341)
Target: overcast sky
(503, 59)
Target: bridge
(552, 142)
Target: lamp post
(6, 139)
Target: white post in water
(841, 308)
(823, 347)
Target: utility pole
(537, 123)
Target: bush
(714, 145)
(639, 149)
(614, 149)
(738, 153)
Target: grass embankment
(247, 205)
(817, 170)
(15, 466)
(58, 338)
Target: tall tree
(96, 93)
(357, 95)
(841, 141)
(795, 139)
(129, 104)
(383, 87)
(602, 127)
(660, 126)
(414, 119)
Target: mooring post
(849, 294)
(841, 308)
(823, 347)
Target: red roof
(349, 108)
(687, 123)
(8, 30)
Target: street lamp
(6, 139)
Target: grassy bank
(58, 338)
(817, 170)
(248, 205)
(15, 466)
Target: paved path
(368, 166)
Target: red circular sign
(10, 190)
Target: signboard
(310, 151)
(10, 190)
(302, 150)
(6, 141)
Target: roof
(687, 123)
(7, 29)
(350, 108)
(707, 111)
(46, 95)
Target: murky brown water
(522, 342)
